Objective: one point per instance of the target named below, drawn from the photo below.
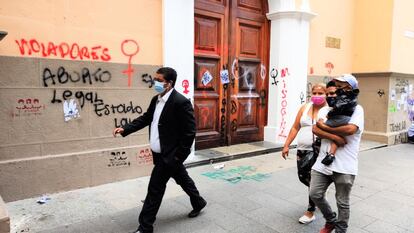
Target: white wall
(178, 44)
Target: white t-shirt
(346, 158)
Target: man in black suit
(172, 130)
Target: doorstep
(226, 153)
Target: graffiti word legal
(63, 50)
(119, 159)
(235, 175)
(62, 76)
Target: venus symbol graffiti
(237, 174)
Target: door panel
(209, 43)
(250, 51)
(233, 35)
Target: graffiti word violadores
(63, 50)
(235, 175)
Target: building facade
(71, 71)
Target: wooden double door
(231, 53)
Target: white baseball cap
(348, 78)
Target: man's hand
(117, 131)
(285, 152)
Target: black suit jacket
(176, 127)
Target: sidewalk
(255, 194)
(227, 153)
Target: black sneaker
(329, 158)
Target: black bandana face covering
(331, 101)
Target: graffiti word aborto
(63, 50)
(235, 175)
(85, 76)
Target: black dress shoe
(195, 212)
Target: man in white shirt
(344, 168)
(172, 131)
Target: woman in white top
(302, 127)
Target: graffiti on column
(302, 97)
(273, 74)
(186, 85)
(283, 110)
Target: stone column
(178, 45)
(289, 42)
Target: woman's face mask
(318, 100)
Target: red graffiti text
(63, 50)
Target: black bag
(307, 158)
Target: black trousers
(160, 175)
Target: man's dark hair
(330, 84)
(169, 74)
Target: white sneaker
(306, 220)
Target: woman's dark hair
(169, 74)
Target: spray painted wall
(67, 78)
